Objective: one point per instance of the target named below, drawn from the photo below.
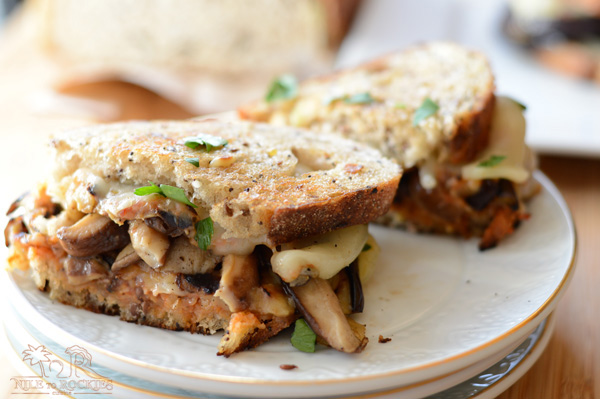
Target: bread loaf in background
(203, 54)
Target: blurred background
(114, 60)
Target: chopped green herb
(360, 98)
(177, 194)
(303, 337)
(147, 190)
(520, 104)
(284, 87)
(426, 109)
(165, 190)
(366, 248)
(492, 161)
(204, 233)
(400, 105)
(331, 99)
(193, 161)
(207, 140)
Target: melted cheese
(507, 138)
(368, 259)
(323, 256)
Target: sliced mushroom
(209, 282)
(150, 245)
(125, 258)
(185, 257)
(238, 276)
(14, 227)
(171, 224)
(357, 298)
(83, 270)
(321, 309)
(92, 235)
(16, 203)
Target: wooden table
(570, 366)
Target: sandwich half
(433, 109)
(207, 225)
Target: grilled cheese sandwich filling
(323, 256)
(158, 270)
(507, 139)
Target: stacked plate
(461, 323)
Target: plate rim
(536, 349)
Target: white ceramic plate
(445, 305)
(475, 381)
(561, 111)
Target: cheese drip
(323, 256)
(507, 139)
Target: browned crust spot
(358, 207)
(472, 133)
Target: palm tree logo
(37, 356)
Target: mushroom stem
(322, 311)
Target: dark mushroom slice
(357, 298)
(321, 309)
(16, 203)
(171, 224)
(501, 190)
(14, 227)
(92, 235)
(207, 282)
(83, 270)
(126, 257)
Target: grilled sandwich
(207, 225)
(433, 108)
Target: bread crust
(472, 134)
(359, 207)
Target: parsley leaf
(177, 194)
(360, 98)
(165, 190)
(204, 232)
(147, 190)
(426, 109)
(366, 248)
(193, 161)
(520, 104)
(284, 87)
(303, 337)
(492, 161)
(207, 140)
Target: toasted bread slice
(268, 184)
(459, 81)
(432, 108)
(201, 249)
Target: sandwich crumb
(384, 340)
(288, 366)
